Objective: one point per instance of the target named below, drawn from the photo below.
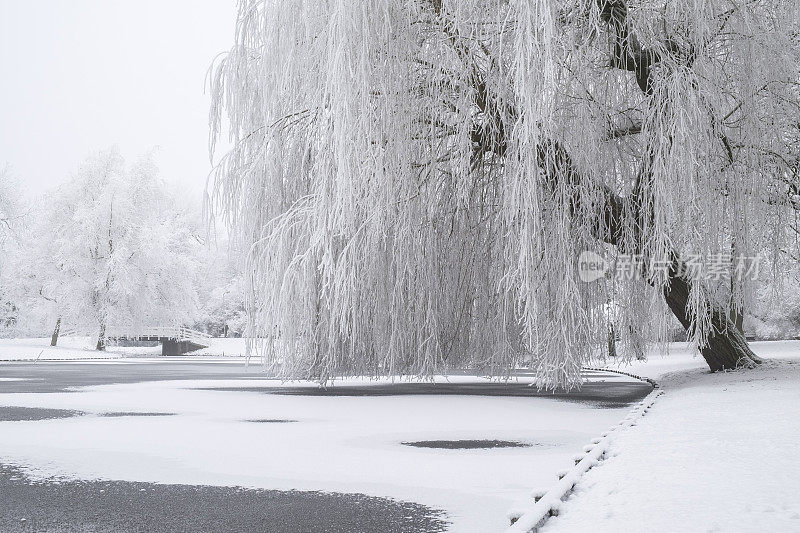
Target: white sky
(77, 76)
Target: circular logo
(591, 266)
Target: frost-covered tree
(7, 310)
(775, 313)
(11, 218)
(109, 249)
(222, 310)
(417, 178)
(9, 200)
(221, 291)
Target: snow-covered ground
(714, 454)
(717, 452)
(69, 348)
(224, 347)
(74, 348)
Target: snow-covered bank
(224, 347)
(715, 453)
(39, 349)
(80, 348)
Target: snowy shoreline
(713, 454)
(82, 348)
(670, 459)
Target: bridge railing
(198, 337)
(179, 333)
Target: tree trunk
(54, 337)
(727, 347)
(612, 340)
(101, 338)
(737, 317)
(636, 345)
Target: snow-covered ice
(714, 453)
(342, 444)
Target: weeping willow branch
(428, 211)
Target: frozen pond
(232, 427)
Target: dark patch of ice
(20, 414)
(109, 506)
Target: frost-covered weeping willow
(416, 178)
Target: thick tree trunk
(737, 317)
(101, 338)
(727, 347)
(54, 337)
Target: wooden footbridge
(175, 340)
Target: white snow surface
(224, 347)
(80, 348)
(717, 452)
(68, 349)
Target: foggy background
(81, 75)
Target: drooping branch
(726, 346)
(432, 214)
(487, 135)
